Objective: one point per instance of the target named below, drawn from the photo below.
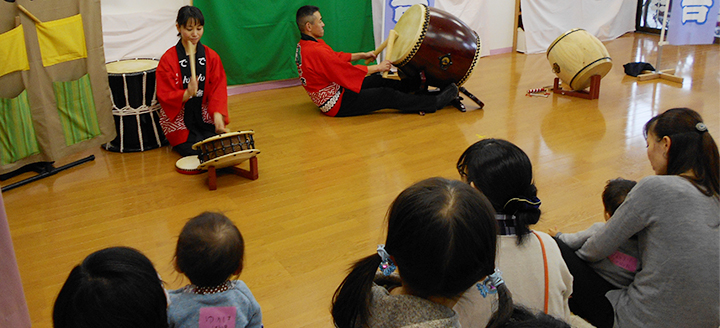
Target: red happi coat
(326, 74)
(170, 92)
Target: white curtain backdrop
(545, 20)
(139, 28)
(475, 14)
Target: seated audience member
(674, 213)
(617, 270)
(530, 261)
(441, 239)
(116, 287)
(210, 251)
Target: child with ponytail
(441, 240)
(531, 262)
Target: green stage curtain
(256, 39)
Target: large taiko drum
(436, 43)
(576, 56)
(135, 106)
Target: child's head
(117, 285)
(614, 194)
(441, 234)
(503, 173)
(432, 225)
(210, 250)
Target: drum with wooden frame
(576, 56)
(434, 45)
(227, 149)
(135, 106)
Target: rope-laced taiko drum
(135, 106)
(576, 56)
(436, 44)
(227, 149)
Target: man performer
(342, 89)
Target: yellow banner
(13, 52)
(61, 40)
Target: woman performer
(193, 107)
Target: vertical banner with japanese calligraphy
(386, 14)
(395, 8)
(692, 22)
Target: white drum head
(409, 29)
(188, 165)
(131, 66)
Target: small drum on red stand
(135, 106)
(224, 150)
(227, 149)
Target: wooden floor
(325, 183)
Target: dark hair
(209, 250)
(692, 148)
(442, 235)
(524, 318)
(304, 15)
(190, 12)
(115, 287)
(503, 173)
(615, 192)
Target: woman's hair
(503, 173)
(187, 13)
(525, 318)
(615, 192)
(692, 148)
(442, 235)
(115, 287)
(209, 250)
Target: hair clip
(489, 285)
(529, 203)
(701, 127)
(386, 265)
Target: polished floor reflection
(325, 183)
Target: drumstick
(29, 14)
(377, 51)
(391, 42)
(191, 52)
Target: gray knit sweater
(617, 275)
(406, 311)
(679, 244)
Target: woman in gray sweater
(675, 216)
